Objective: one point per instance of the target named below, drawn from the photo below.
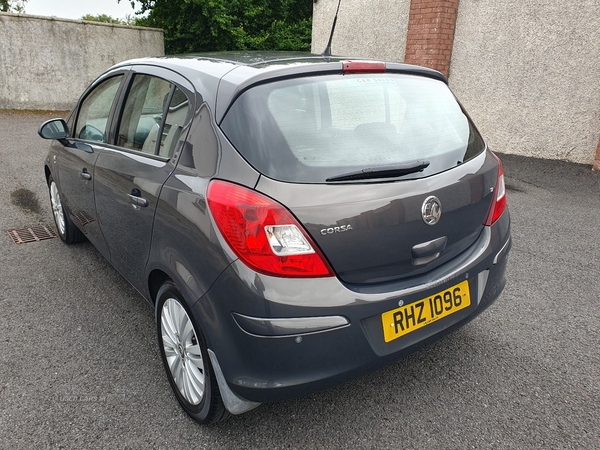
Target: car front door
(77, 159)
(129, 174)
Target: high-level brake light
(349, 67)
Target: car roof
(262, 59)
(233, 72)
(254, 62)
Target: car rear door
(385, 170)
(152, 122)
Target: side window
(142, 113)
(94, 110)
(153, 116)
(71, 124)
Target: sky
(75, 9)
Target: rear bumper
(276, 339)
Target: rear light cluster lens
(499, 203)
(263, 234)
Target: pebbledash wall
(528, 71)
(45, 63)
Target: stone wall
(45, 63)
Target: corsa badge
(332, 230)
(431, 210)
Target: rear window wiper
(382, 171)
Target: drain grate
(31, 234)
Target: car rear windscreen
(310, 129)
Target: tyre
(66, 229)
(185, 357)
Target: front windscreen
(310, 129)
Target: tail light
(349, 67)
(263, 233)
(499, 202)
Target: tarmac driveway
(80, 367)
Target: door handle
(137, 200)
(85, 175)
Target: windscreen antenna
(327, 51)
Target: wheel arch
(158, 276)
(47, 172)
(167, 264)
(156, 279)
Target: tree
(128, 20)
(216, 25)
(104, 18)
(17, 6)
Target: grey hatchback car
(295, 220)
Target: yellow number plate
(411, 317)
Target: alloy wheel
(57, 209)
(182, 351)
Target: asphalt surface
(80, 367)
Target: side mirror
(54, 129)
